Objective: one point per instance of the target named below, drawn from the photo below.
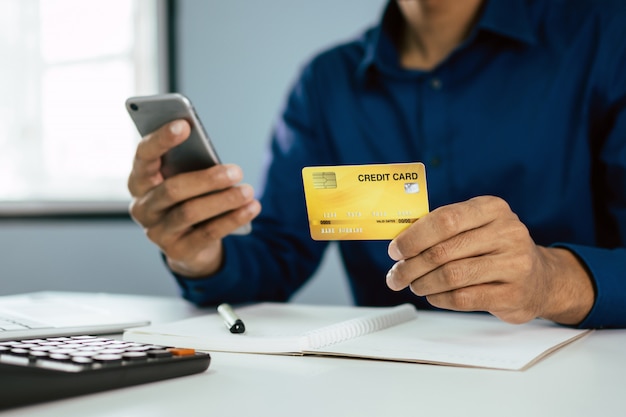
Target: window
(68, 66)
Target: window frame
(104, 209)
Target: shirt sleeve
(607, 268)
(278, 256)
(607, 264)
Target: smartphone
(151, 112)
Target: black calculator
(37, 370)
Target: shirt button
(435, 162)
(435, 84)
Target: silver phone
(197, 152)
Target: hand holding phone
(149, 113)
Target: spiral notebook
(385, 333)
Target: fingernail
(254, 208)
(247, 191)
(234, 173)
(393, 251)
(389, 278)
(176, 127)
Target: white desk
(586, 378)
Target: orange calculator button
(182, 351)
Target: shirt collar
(510, 19)
(378, 42)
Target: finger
(149, 209)
(181, 218)
(473, 243)
(476, 298)
(446, 222)
(495, 298)
(193, 184)
(185, 245)
(458, 274)
(220, 227)
(196, 252)
(504, 268)
(156, 144)
(145, 173)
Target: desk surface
(584, 378)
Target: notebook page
(462, 339)
(270, 328)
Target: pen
(231, 320)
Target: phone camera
(134, 107)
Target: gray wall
(237, 60)
(82, 255)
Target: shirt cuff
(608, 273)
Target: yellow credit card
(364, 202)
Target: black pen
(231, 320)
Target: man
(518, 110)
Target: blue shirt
(531, 108)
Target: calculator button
(90, 349)
(60, 357)
(135, 356)
(107, 358)
(182, 352)
(117, 346)
(25, 345)
(138, 349)
(43, 348)
(107, 351)
(63, 351)
(72, 345)
(13, 359)
(95, 343)
(159, 353)
(83, 354)
(82, 360)
(37, 354)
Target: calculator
(38, 370)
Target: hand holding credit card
(364, 202)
